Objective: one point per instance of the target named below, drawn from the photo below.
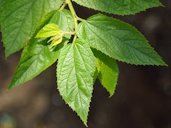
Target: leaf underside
(75, 71)
(108, 71)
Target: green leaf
(64, 20)
(55, 42)
(1, 6)
(119, 7)
(108, 71)
(118, 40)
(76, 68)
(2, 2)
(60, 21)
(20, 19)
(36, 57)
(49, 30)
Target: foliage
(85, 49)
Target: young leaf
(65, 21)
(56, 41)
(49, 30)
(118, 40)
(60, 22)
(20, 18)
(108, 71)
(76, 68)
(119, 7)
(36, 57)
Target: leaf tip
(10, 86)
(162, 63)
(85, 123)
(162, 5)
(111, 94)
(165, 65)
(7, 54)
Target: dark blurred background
(142, 98)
